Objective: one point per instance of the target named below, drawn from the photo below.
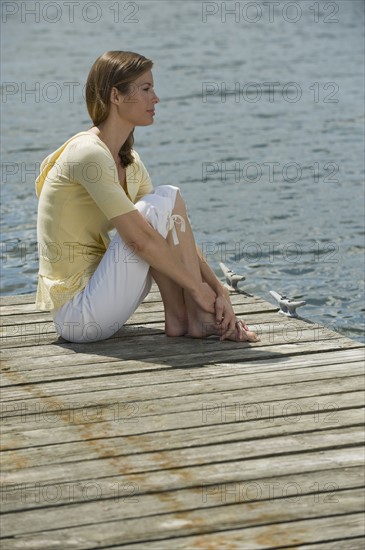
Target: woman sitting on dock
(95, 182)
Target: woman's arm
(210, 277)
(147, 243)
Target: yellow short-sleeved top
(79, 192)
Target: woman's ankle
(176, 323)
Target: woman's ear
(115, 96)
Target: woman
(96, 182)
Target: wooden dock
(148, 442)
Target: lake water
(261, 124)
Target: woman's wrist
(220, 290)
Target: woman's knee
(166, 190)
(179, 203)
(180, 209)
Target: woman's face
(137, 107)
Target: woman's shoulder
(137, 160)
(135, 156)
(87, 146)
(87, 139)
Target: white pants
(120, 282)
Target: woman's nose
(156, 99)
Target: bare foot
(176, 325)
(245, 334)
(202, 325)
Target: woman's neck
(112, 135)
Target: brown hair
(113, 69)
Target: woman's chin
(146, 122)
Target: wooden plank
(18, 299)
(120, 445)
(208, 456)
(22, 359)
(262, 522)
(270, 418)
(135, 376)
(229, 407)
(13, 376)
(185, 476)
(287, 410)
(197, 400)
(353, 543)
(19, 385)
(213, 350)
(325, 486)
(21, 356)
(281, 535)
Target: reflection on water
(260, 124)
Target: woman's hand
(225, 316)
(204, 297)
(229, 324)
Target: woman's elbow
(142, 242)
(138, 244)
(135, 233)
